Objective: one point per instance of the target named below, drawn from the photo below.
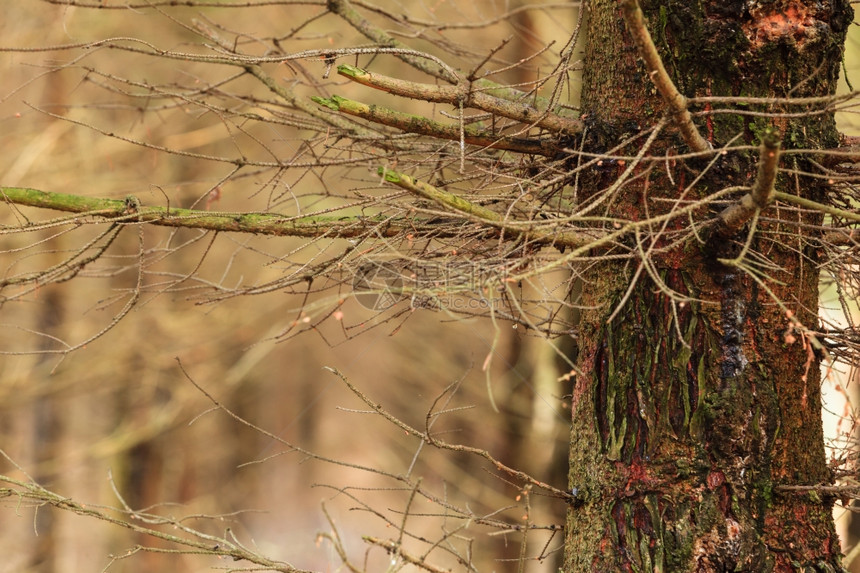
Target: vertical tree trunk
(689, 415)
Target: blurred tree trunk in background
(691, 414)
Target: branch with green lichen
(512, 94)
(839, 236)
(345, 10)
(130, 210)
(423, 126)
(468, 95)
(474, 211)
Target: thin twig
(430, 439)
(32, 492)
(395, 549)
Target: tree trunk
(689, 415)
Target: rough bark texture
(679, 443)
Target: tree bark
(689, 415)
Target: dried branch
(467, 95)
(423, 126)
(206, 544)
(432, 440)
(733, 218)
(457, 203)
(657, 72)
(288, 95)
(396, 550)
(130, 210)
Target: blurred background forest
(119, 416)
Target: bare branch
(762, 193)
(466, 95)
(207, 544)
(129, 210)
(657, 72)
(815, 205)
(452, 447)
(423, 126)
(396, 549)
(559, 238)
(345, 10)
